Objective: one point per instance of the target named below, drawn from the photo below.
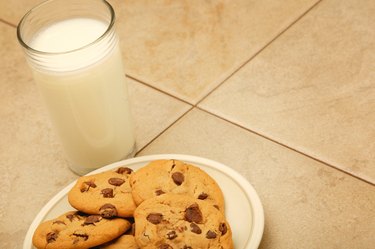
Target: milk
(87, 100)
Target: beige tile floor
(290, 106)
(313, 89)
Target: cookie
(76, 230)
(165, 176)
(173, 221)
(108, 194)
(124, 242)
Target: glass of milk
(73, 51)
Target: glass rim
(36, 7)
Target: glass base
(79, 170)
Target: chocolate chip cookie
(76, 230)
(107, 194)
(124, 242)
(173, 176)
(173, 221)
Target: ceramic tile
(187, 47)
(13, 11)
(32, 166)
(306, 203)
(30, 152)
(313, 88)
(153, 111)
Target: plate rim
(251, 194)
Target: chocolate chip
(178, 178)
(223, 228)
(87, 185)
(108, 211)
(202, 196)
(82, 235)
(217, 207)
(165, 246)
(195, 228)
(159, 192)
(72, 216)
(90, 220)
(124, 170)
(107, 193)
(116, 181)
(187, 247)
(171, 235)
(51, 237)
(58, 222)
(210, 235)
(193, 214)
(155, 218)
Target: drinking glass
(73, 51)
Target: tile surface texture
(187, 47)
(313, 89)
(306, 203)
(29, 149)
(32, 166)
(13, 11)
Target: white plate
(244, 210)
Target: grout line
(157, 89)
(170, 125)
(163, 131)
(236, 70)
(221, 83)
(231, 122)
(216, 87)
(258, 52)
(286, 146)
(8, 23)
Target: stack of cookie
(167, 204)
